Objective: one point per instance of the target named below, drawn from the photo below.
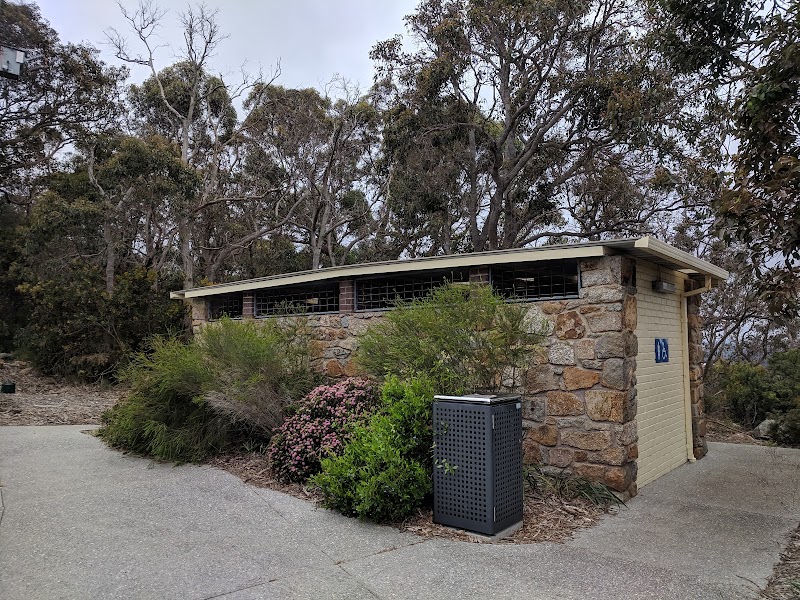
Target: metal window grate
(535, 281)
(307, 299)
(225, 305)
(386, 292)
(477, 479)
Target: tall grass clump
(463, 338)
(190, 401)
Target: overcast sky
(313, 39)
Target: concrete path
(81, 521)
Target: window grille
(535, 281)
(225, 305)
(385, 292)
(306, 299)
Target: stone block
(633, 452)
(603, 294)
(584, 349)
(590, 308)
(601, 276)
(615, 455)
(579, 379)
(531, 453)
(546, 435)
(333, 368)
(590, 472)
(618, 373)
(551, 308)
(351, 369)
(627, 434)
(603, 321)
(540, 378)
(586, 440)
(533, 409)
(620, 478)
(595, 365)
(610, 345)
(559, 457)
(630, 315)
(569, 326)
(563, 404)
(561, 353)
(604, 405)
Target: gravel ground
(43, 400)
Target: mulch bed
(784, 584)
(721, 429)
(41, 400)
(545, 519)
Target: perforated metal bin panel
(477, 476)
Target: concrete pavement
(82, 521)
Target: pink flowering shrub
(320, 427)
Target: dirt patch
(546, 517)
(41, 400)
(720, 429)
(784, 583)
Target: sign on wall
(662, 350)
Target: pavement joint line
(2, 505)
(285, 519)
(240, 589)
(360, 581)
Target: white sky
(313, 39)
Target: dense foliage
(191, 401)
(751, 393)
(384, 473)
(320, 425)
(461, 338)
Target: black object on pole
(477, 477)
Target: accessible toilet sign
(662, 350)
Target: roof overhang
(646, 248)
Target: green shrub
(164, 415)
(464, 338)
(384, 473)
(190, 401)
(748, 395)
(320, 426)
(786, 430)
(258, 368)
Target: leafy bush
(258, 368)
(183, 398)
(164, 415)
(751, 393)
(786, 430)
(748, 396)
(384, 473)
(462, 338)
(320, 426)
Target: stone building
(616, 394)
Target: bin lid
(480, 398)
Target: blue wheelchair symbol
(662, 350)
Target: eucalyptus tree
(64, 93)
(560, 117)
(193, 108)
(321, 149)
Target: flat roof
(646, 248)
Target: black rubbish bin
(477, 475)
